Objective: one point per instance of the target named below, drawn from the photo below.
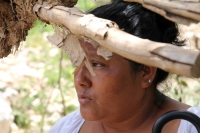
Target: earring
(149, 80)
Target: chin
(89, 115)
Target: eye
(97, 64)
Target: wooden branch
(165, 56)
(188, 10)
(187, 6)
(178, 11)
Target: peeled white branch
(165, 56)
(184, 12)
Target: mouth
(83, 99)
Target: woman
(122, 97)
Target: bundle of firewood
(18, 16)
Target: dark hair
(138, 21)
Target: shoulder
(187, 127)
(68, 124)
(195, 110)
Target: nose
(82, 77)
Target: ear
(148, 76)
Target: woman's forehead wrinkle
(90, 50)
(98, 52)
(91, 53)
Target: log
(165, 56)
(184, 12)
(184, 6)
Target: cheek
(114, 85)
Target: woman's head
(138, 21)
(114, 93)
(115, 89)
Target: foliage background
(37, 81)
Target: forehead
(87, 47)
(116, 62)
(91, 51)
(92, 47)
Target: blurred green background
(38, 81)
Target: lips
(84, 99)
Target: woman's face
(113, 93)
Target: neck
(139, 119)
